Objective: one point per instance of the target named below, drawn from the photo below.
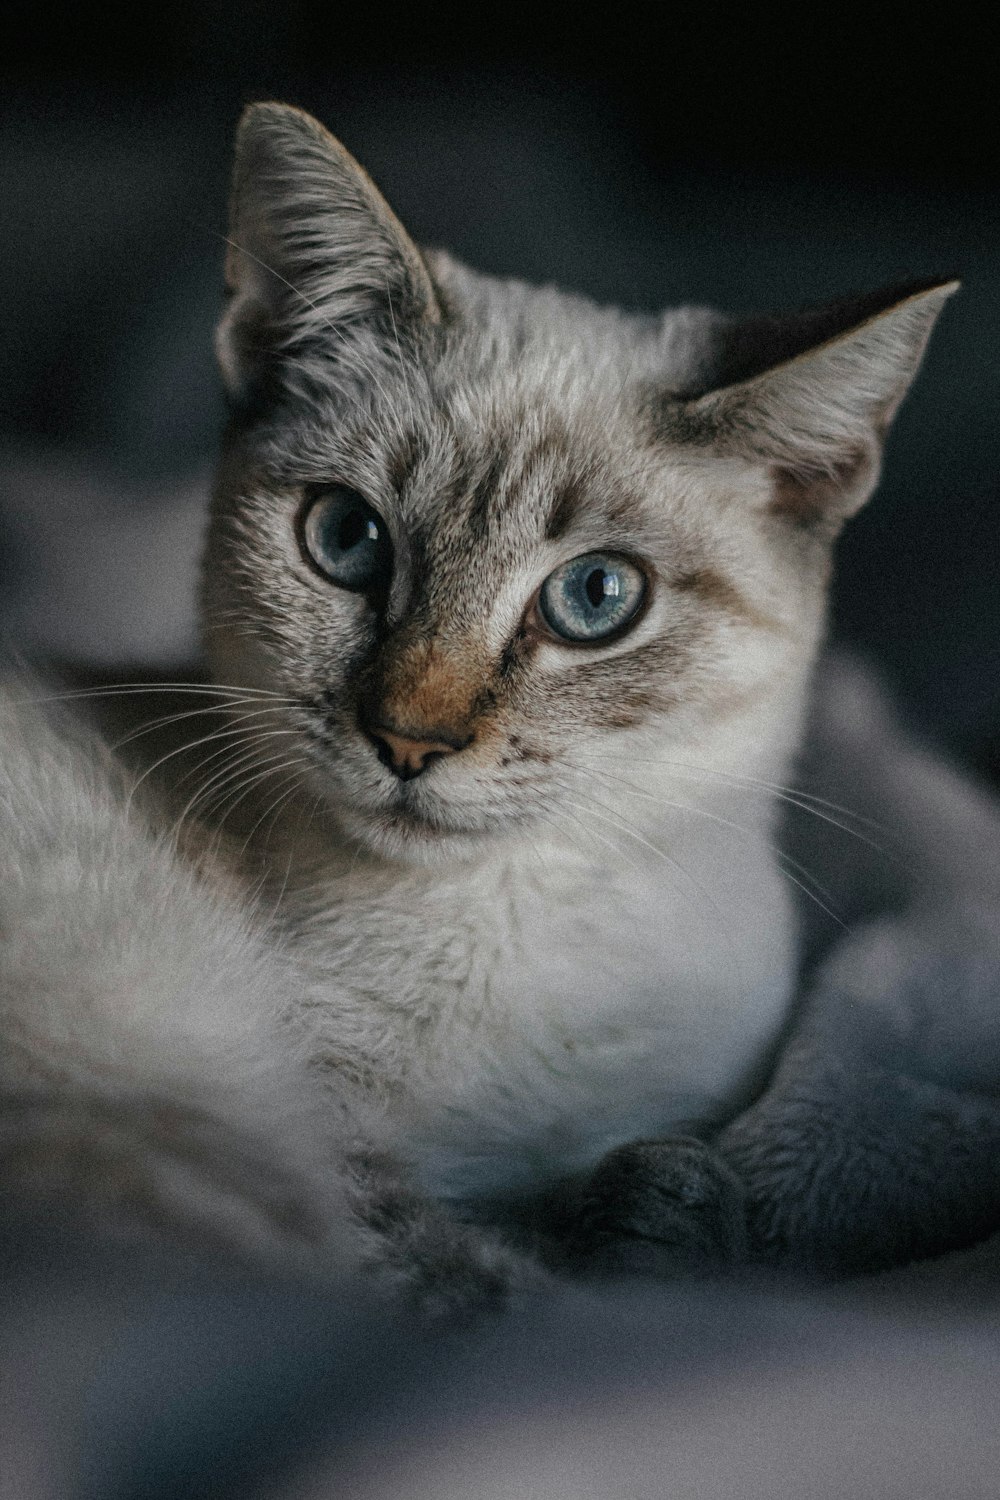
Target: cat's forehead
(521, 418)
(531, 453)
(515, 454)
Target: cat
(471, 954)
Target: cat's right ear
(314, 250)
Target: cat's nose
(407, 755)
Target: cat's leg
(658, 1208)
(152, 1086)
(878, 1139)
(421, 1252)
(152, 1170)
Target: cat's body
(515, 604)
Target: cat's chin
(411, 839)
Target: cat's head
(494, 543)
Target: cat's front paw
(659, 1208)
(418, 1252)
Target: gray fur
(878, 1138)
(534, 981)
(878, 1142)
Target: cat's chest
(520, 1027)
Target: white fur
(555, 1001)
(125, 976)
(516, 1014)
(598, 951)
(619, 971)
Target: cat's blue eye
(348, 540)
(593, 596)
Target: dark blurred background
(645, 156)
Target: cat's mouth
(408, 832)
(418, 820)
(409, 818)
(414, 824)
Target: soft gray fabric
(157, 1380)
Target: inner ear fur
(812, 396)
(314, 251)
(811, 499)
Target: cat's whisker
(246, 779)
(750, 833)
(214, 794)
(616, 818)
(619, 821)
(237, 740)
(819, 807)
(229, 739)
(209, 792)
(227, 773)
(202, 797)
(575, 832)
(785, 862)
(278, 896)
(274, 808)
(208, 739)
(220, 802)
(592, 833)
(620, 853)
(135, 688)
(165, 720)
(541, 816)
(264, 880)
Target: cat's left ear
(314, 249)
(812, 396)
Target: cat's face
(498, 548)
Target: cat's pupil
(598, 585)
(354, 528)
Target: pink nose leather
(408, 757)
